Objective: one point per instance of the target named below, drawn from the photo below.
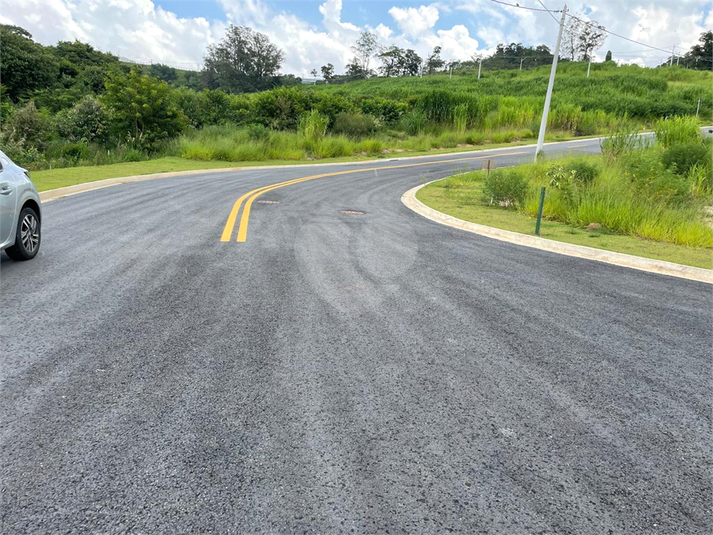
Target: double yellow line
(254, 194)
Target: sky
(313, 33)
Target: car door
(8, 201)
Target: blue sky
(315, 32)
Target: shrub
(74, 152)
(29, 126)
(371, 146)
(144, 109)
(87, 120)
(651, 178)
(355, 125)
(506, 187)
(675, 130)
(584, 172)
(681, 157)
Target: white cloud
(143, 31)
(414, 22)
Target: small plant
(584, 172)
(676, 130)
(507, 187)
(681, 157)
(313, 125)
(624, 140)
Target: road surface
(341, 373)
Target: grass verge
(70, 176)
(436, 195)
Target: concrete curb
(580, 251)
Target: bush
(651, 178)
(584, 172)
(87, 120)
(355, 125)
(507, 187)
(624, 140)
(28, 126)
(681, 157)
(74, 152)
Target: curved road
(341, 373)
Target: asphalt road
(336, 373)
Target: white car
(20, 212)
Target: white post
(589, 66)
(673, 51)
(480, 63)
(450, 72)
(548, 98)
(523, 59)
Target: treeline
(70, 104)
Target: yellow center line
(255, 193)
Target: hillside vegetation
(95, 110)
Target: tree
(700, 55)
(26, 66)
(144, 109)
(391, 60)
(163, 72)
(313, 73)
(328, 72)
(243, 61)
(608, 56)
(355, 70)
(411, 63)
(434, 61)
(365, 48)
(590, 38)
(570, 37)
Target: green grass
(461, 199)
(69, 176)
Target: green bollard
(539, 211)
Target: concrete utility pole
(548, 98)
(589, 66)
(673, 51)
(480, 63)
(523, 59)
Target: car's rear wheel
(27, 237)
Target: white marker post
(548, 98)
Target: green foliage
(313, 125)
(245, 60)
(26, 65)
(144, 109)
(28, 126)
(680, 158)
(622, 141)
(507, 187)
(355, 125)
(460, 118)
(88, 120)
(676, 130)
(282, 108)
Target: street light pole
(548, 98)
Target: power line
(602, 28)
(524, 7)
(548, 11)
